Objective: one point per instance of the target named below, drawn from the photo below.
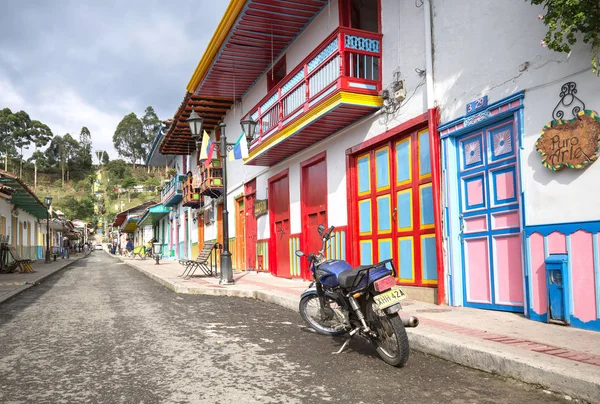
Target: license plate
(389, 298)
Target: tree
(128, 184)
(84, 159)
(129, 139)
(71, 152)
(151, 125)
(7, 126)
(105, 158)
(567, 18)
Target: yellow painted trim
(368, 157)
(426, 281)
(412, 259)
(419, 142)
(370, 242)
(320, 110)
(368, 233)
(389, 198)
(409, 161)
(404, 191)
(219, 36)
(387, 150)
(422, 225)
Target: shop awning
(153, 215)
(130, 224)
(22, 197)
(136, 210)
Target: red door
(279, 214)
(251, 234)
(313, 203)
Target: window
(360, 14)
(276, 74)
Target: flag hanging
(206, 149)
(240, 149)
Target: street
(101, 332)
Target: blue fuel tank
(329, 270)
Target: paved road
(101, 332)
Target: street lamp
(157, 251)
(48, 202)
(195, 122)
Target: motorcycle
(363, 300)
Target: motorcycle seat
(347, 278)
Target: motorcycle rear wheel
(310, 310)
(392, 341)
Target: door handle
(462, 223)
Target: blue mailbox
(557, 284)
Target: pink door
(490, 218)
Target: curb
(502, 363)
(37, 281)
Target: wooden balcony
(191, 193)
(337, 84)
(211, 179)
(173, 191)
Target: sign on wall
(574, 143)
(260, 207)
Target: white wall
(497, 54)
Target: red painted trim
(345, 16)
(436, 175)
(305, 272)
(352, 255)
(411, 124)
(272, 247)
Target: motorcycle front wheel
(391, 341)
(328, 321)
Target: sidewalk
(561, 359)
(12, 284)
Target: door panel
(489, 217)
(313, 205)
(279, 193)
(240, 231)
(250, 223)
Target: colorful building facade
(425, 157)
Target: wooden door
(20, 239)
(200, 233)
(394, 208)
(279, 217)
(219, 231)
(240, 233)
(250, 224)
(490, 218)
(313, 189)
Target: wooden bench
(24, 264)
(203, 261)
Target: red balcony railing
(191, 193)
(348, 60)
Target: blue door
(490, 215)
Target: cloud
(71, 64)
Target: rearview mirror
(299, 253)
(321, 229)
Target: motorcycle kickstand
(351, 334)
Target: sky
(73, 63)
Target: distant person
(129, 246)
(66, 247)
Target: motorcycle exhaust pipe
(411, 322)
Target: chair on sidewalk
(24, 264)
(202, 261)
(140, 251)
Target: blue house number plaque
(478, 104)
